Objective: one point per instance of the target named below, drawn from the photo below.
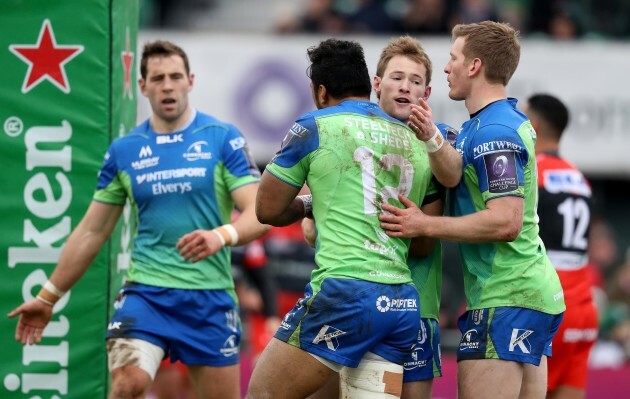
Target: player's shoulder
(207, 123)
(139, 134)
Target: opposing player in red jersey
(564, 210)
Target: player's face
(456, 71)
(403, 83)
(167, 86)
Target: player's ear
(427, 93)
(475, 66)
(143, 85)
(191, 81)
(377, 86)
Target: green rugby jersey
(177, 183)
(497, 149)
(426, 274)
(354, 157)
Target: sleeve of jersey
(291, 164)
(499, 157)
(239, 163)
(110, 188)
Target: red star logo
(46, 60)
(127, 60)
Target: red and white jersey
(564, 211)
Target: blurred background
(250, 61)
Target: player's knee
(374, 378)
(133, 364)
(129, 383)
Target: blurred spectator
(602, 250)
(469, 11)
(617, 318)
(426, 17)
(558, 19)
(319, 17)
(562, 27)
(270, 275)
(257, 294)
(291, 261)
(371, 16)
(172, 13)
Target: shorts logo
(231, 320)
(422, 333)
(415, 362)
(230, 346)
(519, 338)
(329, 337)
(384, 304)
(285, 322)
(469, 340)
(383, 307)
(477, 316)
(115, 325)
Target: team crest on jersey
(197, 151)
(451, 136)
(501, 172)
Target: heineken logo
(46, 60)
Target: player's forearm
(479, 227)
(446, 164)
(79, 252)
(248, 227)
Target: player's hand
(34, 316)
(421, 120)
(199, 245)
(407, 222)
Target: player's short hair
(551, 110)
(339, 65)
(161, 48)
(495, 43)
(405, 46)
